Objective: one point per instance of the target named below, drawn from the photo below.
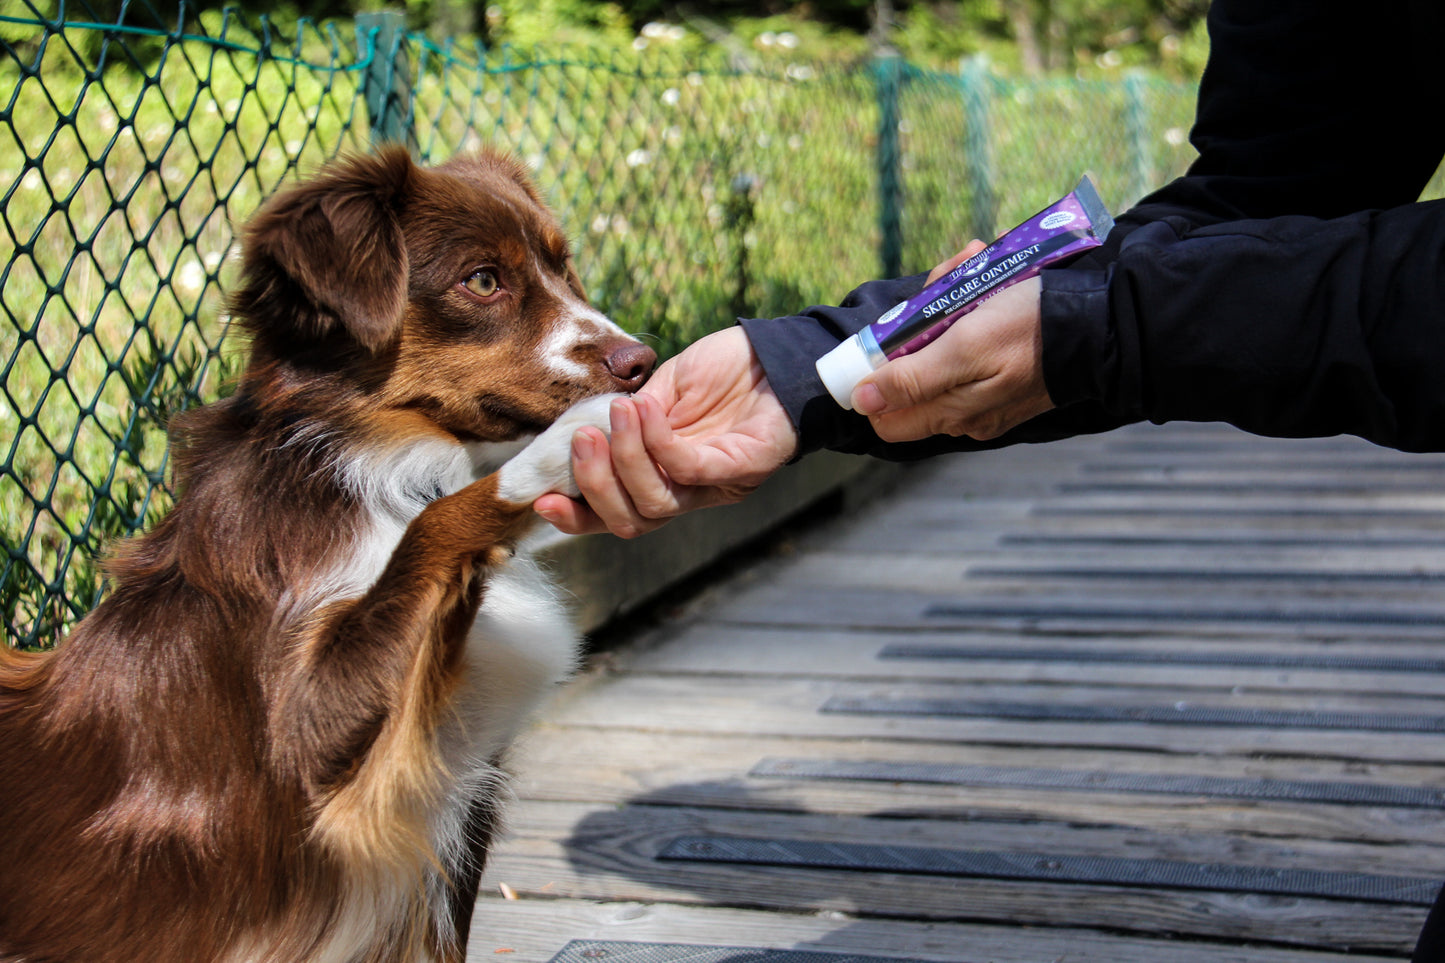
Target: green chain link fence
(696, 189)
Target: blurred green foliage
(1079, 37)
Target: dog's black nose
(630, 363)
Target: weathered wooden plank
(1153, 713)
(1189, 465)
(533, 930)
(817, 693)
(1190, 583)
(764, 707)
(1080, 778)
(609, 853)
(652, 827)
(984, 526)
(784, 605)
(1241, 543)
(1053, 867)
(706, 647)
(716, 771)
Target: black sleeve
(787, 348)
(1286, 284)
(1291, 326)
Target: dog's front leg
(372, 670)
(361, 708)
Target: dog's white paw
(545, 465)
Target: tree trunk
(1020, 16)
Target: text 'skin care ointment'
(1071, 225)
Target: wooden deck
(1161, 695)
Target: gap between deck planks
(1087, 546)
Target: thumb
(903, 383)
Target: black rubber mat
(609, 951)
(1026, 777)
(1108, 611)
(1055, 868)
(1233, 659)
(1162, 573)
(1416, 515)
(1252, 539)
(1183, 714)
(1352, 485)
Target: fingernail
(549, 515)
(868, 400)
(621, 416)
(583, 447)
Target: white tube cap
(842, 368)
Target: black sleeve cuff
(1078, 349)
(788, 347)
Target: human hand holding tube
(981, 377)
(705, 430)
(964, 356)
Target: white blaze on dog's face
(498, 338)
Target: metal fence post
(977, 141)
(1141, 156)
(887, 79)
(387, 81)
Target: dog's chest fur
(520, 645)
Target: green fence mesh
(696, 189)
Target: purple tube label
(1073, 224)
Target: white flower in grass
(190, 278)
(639, 157)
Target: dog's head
(443, 293)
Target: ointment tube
(1075, 223)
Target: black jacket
(1287, 284)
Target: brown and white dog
(280, 736)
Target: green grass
(693, 192)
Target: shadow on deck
(1166, 694)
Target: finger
(648, 488)
(911, 380)
(600, 486)
(568, 515)
(922, 421)
(982, 410)
(969, 250)
(675, 455)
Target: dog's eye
(484, 283)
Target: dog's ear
(329, 255)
